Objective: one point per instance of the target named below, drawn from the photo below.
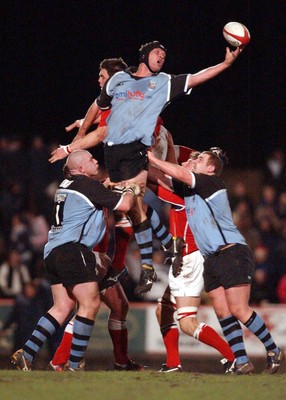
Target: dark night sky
(52, 50)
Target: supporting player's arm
(91, 117)
(90, 140)
(173, 170)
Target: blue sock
(257, 326)
(143, 235)
(160, 230)
(233, 334)
(45, 328)
(82, 330)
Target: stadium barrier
(145, 337)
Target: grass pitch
(147, 385)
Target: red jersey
(103, 117)
(178, 219)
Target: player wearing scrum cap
(173, 246)
(228, 265)
(136, 100)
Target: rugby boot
(56, 368)
(147, 277)
(175, 254)
(130, 366)
(80, 368)
(229, 366)
(21, 362)
(273, 361)
(165, 369)
(244, 369)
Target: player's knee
(187, 317)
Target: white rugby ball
(236, 34)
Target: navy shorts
(71, 264)
(125, 161)
(228, 268)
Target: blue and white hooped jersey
(78, 212)
(209, 214)
(136, 104)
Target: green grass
(39, 385)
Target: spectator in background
(38, 237)
(19, 238)
(275, 169)
(245, 224)
(240, 198)
(34, 300)
(281, 290)
(14, 160)
(278, 259)
(12, 201)
(242, 209)
(281, 205)
(13, 275)
(41, 176)
(260, 285)
(267, 205)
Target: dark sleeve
(96, 192)
(178, 86)
(206, 185)
(104, 100)
(178, 188)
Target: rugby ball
(236, 34)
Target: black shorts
(228, 268)
(125, 161)
(71, 264)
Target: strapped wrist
(66, 149)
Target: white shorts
(190, 281)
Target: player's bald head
(77, 159)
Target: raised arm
(92, 139)
(173, 170)
(90, 118)
(209, 73)
(171, 153)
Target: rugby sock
(209, 336)
(171, 342)
(45, 328)
(233, 334)
(119, 336)
(122, 236)
(162, 233)
(62, 353)
(257, 326)
(82, 330)
(169, 330)
(143, 235)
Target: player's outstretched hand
(57, 154)
(75, 124)
(231, 55)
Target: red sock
(122, 236)
(119, 336)
(171, 341)
(209, 336)
(62, 353)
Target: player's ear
(211, 168)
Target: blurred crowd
(27, 186)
